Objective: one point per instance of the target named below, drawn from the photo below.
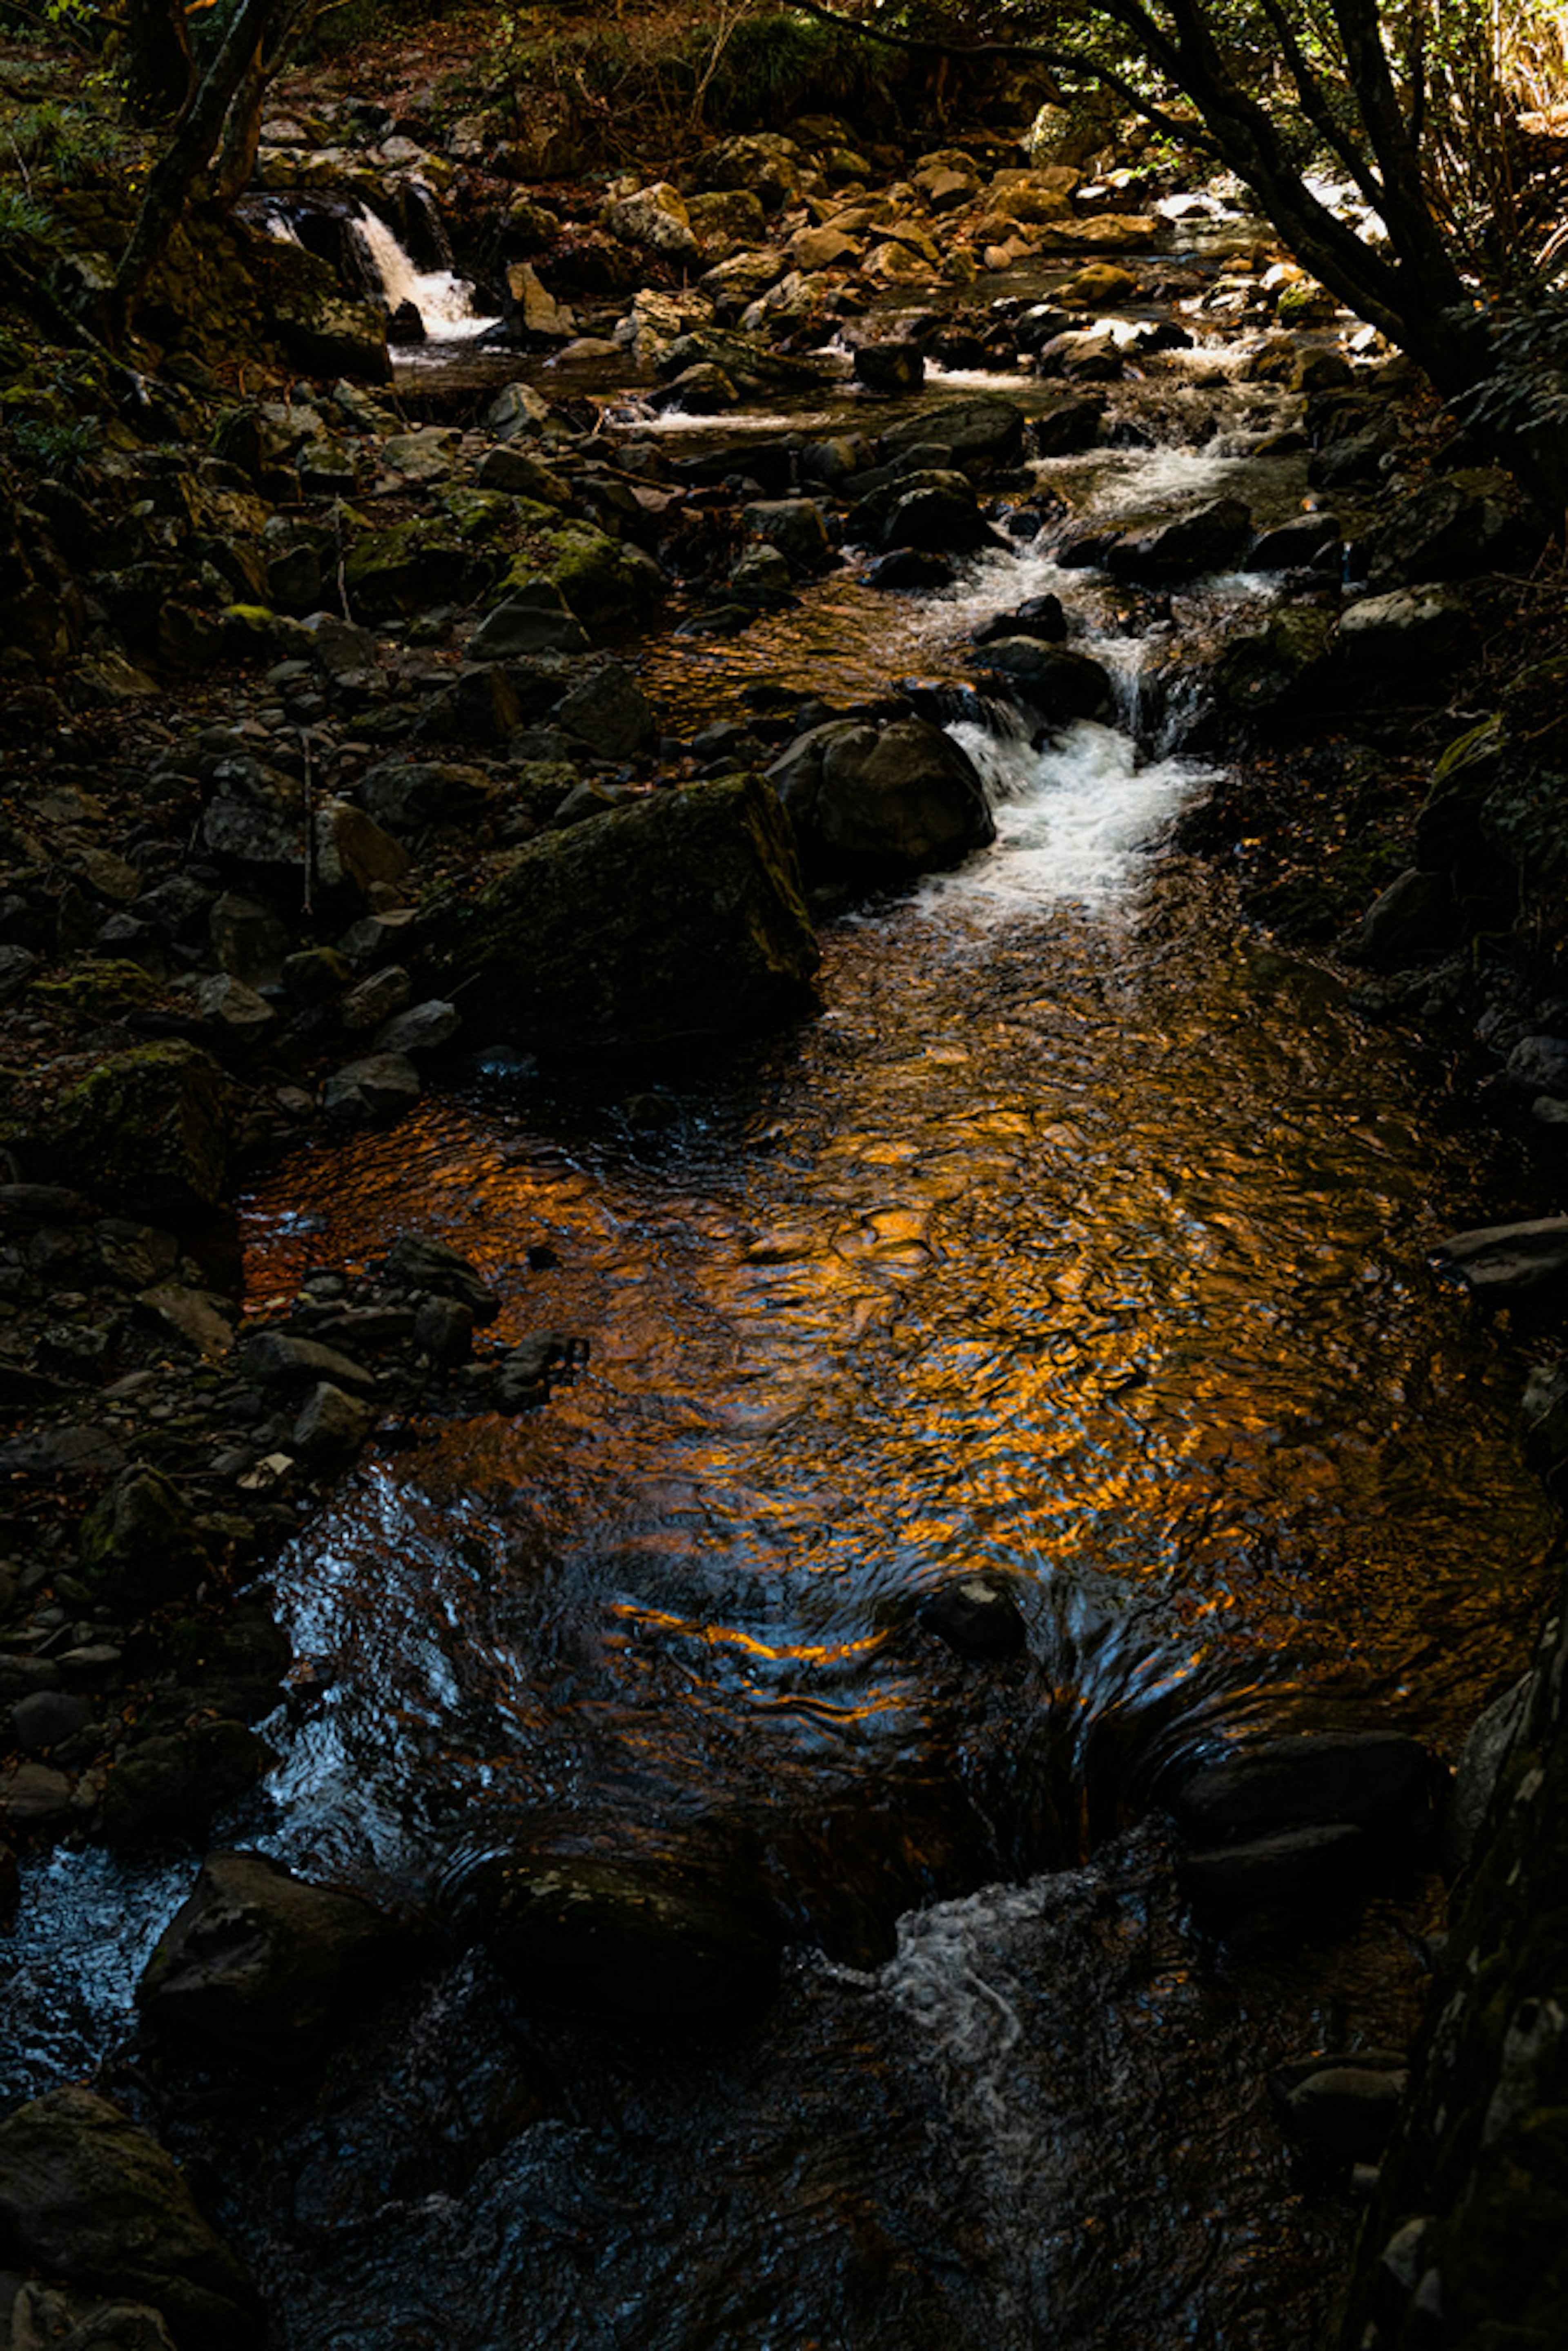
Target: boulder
(619, 1941)
(1500, 1263)
(608, 713)
(87, 2196)
(259, 1968)
(1214, 538)
(873, 804)
(677, 916)
(655, 220)
(1279, 669)
(765, 163)
(148, 1128)
(894, 366)
(1451, 528)
(177, 1782)
(138, 1546)
(796, 527)
(1060, 685)
(985, 431)
(1377, 1780)
(1412, 921)
(416, 1262)
(935, 514)
(1418, 633)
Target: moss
(95, 989)
(146, 1127)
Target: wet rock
(988, 431)
(282, 1359)
(423, 1028)
(35, 1804)
(1500, 1263)
(610, 1939)
(977, 1616)
(139, 1545)
(608, 713)
(416, 1262)
(260, 1968)
(891, 368)
(909, 566)
(1412, 921)
(332, 1423)
(692, 900)
(524, 1373)
(87, 2195)
(1041, 617)
(1059, 684)
(443, 1330)
(881, 803)
(377, 1086)
(796, 527)
(1214, 538)
(1377, 1779)
(1294, 544)
(935, 513)
(175, 1784)
(1345, 2108)
(1290, 1870)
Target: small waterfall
(444, 300)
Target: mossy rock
(138, 1545)
(1274, 671)
(147, 1129)
(96, 991)
(412, 564)
(610, 588)
(87, 2195)
(679, 915)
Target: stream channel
(1080, 1242)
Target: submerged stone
(609, 1937)
(1376, 1778)
(975, 1616)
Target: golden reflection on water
(1091, 1260)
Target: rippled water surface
(1080, 1241)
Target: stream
(1079, 1242)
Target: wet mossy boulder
(626, 1941)
(412, 564)
(139, 1547)
(1462, 523)
(147, 1129)
(1214, 537)
(87, 2196)
(1280, 670)
(679, 915)
(874, 804)
(976, 435)
(608, 586)
(259, 1968)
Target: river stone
(765, 163)
(796, 527)
(259, 1966)
(977, 1616)
(655, 220)
(377, 1086)
(149, 1129)
(678, 915)
(607, 711)
(1410, 922)
(983, 432)
(881, 803)
(423, 1029)
(1289, 1870)
(36, 1803)
(417, 1262)
(1214, 538)
(1059, 684)
(281, 1359)
(890, 368)
(937, 515)
(87, 2196)
(175, 1784)
(1420, 633)
(332, 1423)
(139, 1546)
(1376, 1778)
(507, 467)
(604, 1936)
(1500, 1263)
(1293, 544)
(1346, 2110)
(1539, 1065)
(43, 1720)
(1278, 670)
(404, 795)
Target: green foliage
(67, 142)
(24, 221)
(56, 449)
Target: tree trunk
(180, 169)
(159, 70)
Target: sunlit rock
(874, 803)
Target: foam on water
(444, 300)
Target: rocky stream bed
(580, 922)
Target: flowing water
(1080, 1241)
